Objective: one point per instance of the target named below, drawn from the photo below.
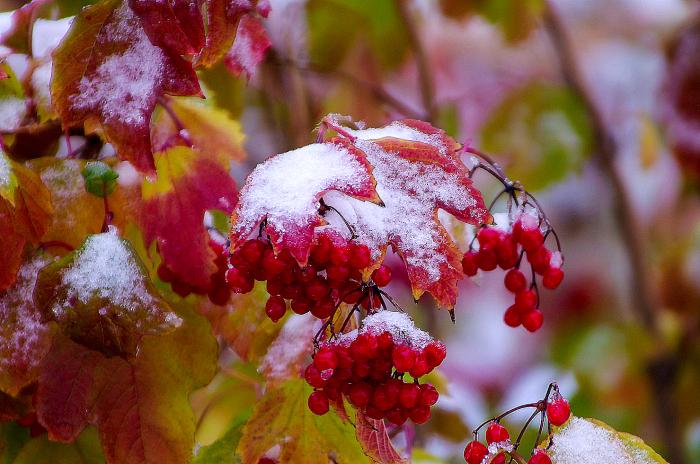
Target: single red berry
(382, 276)
(397, 416)
(363, 347)
(403, 358)
(500, 459)
(420, 414)
(512, 316)
(252, 251)
(307, 274)
(526, 301)
(313, 376)
(360, 256)
(318, 403)
(383, 399)
(374, 413)
(540, 457)
(420, 366)
(271, 264)
(552, 277)
(275, 308)
(219, 294)
(360, 394)
(531, 239)
(361, 369)
(409, 395)
(558, 411)
(291, 292)
(469, 264)
(507, 252)
(323, 308)
(338, 274)
(533, 320)
(325, 359)
(274, 287)
(321, 252)
(165, 274)
(488, 237)
(435, 353)
(475, 452)
(487, 259)
(317, 289)
(496, 433)
(385, 341)
(515, 281)
(238, 281)
(540, 259)
(340, 254)
(301, 305)
(428, 395)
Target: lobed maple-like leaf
(374, 439)
(174, 25)
(249, 47)
(418, 172)
(24, 339)
(100, 295)
(282, 418)
(25, 213)
(285, 192)
(140, 406)
(107, 71)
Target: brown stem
(425, 77)
(662, 371)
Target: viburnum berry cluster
(521, 233)
(367, 367)
(553, 407)
(333, 275)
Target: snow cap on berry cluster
(401, 327)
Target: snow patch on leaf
(249, 47)
(5, 171)
(290, 349)
(12, 112)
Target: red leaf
(107, 70)
(285, 190)
(175, 25)
(373, 437)
(17, 37)
(249, 48)
(222, 22)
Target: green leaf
(85, 450)
(282, 417)
(100, 179)
(544, 132)
(223, 450)
(12, 438)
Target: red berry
(317, 289)
(165, 274)
(363, 347)
(313, 376)
(475, 452)
(540, 457)
(323, 308)
(219, 295)
(489, 237)
(360, 256)
(531, 239)
(428, 394)
(383, 399)
(500, 459)
(271, 264)
(291, 292)
(361, 370)
(419, 414)
(469, 265)
(496, 433)
(435, 353)
(374, 413)
(403, 358)
(512, 317)
(340, 254)
(558, 411)
(325, 359)
(507, 253)
(306, 274)
(360, 394)
(409, 395)
(382, 276)
(301, 305)
(274, 287)
(238, 281)
(540, 259)
(318, 403)
(338, 274)
(275, 308)
(533, 320)
(420, 367)
(181, 288)
(515, 281)
(525, 301)
(321, 252)
(385, 341)
(552, 277)
(252, 251)
(397, 416)
(487, 259)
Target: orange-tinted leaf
(139, 406)
(374, 439)
(172, 212)
(285, 190)
(249, 48)
(100, 295)
(106, 70)
(175, 25)
(24, 340)
(418, 172)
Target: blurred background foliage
(492, 73)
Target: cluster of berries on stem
(553, 407)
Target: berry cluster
(505, 249)
(557, 411)
(367, 367)
(217, 290)
(332, 275)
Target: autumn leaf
(140, 406)
(282, 418)
(223, 450)
(13, 103)
(25, 213)
(291, 350)
(249, 47)
(418, 172)
(24, 339)
(174, 25)
(285, 190)
(107, 71)
(18, 36)
(85, 450)
(173, 205)
(100, 295)
(374, 439)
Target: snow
(41, 83)
(292, 345)
(105, 268)
(401, 327)
(47, 34)
(285, 187)
(125, 84)
(65, 182)
(12, 112)
(5, 171)
(583, 442)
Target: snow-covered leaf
(249, 47)
(291, 350)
